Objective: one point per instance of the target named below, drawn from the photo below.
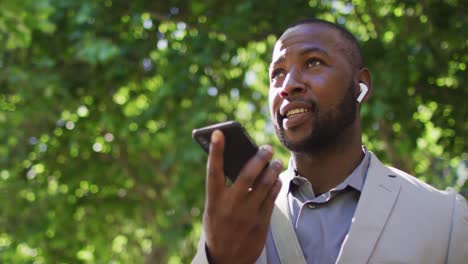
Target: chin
(296, 143)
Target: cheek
(274, 100)
(325, 88)
(320, 83)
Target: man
(335, 203)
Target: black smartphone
(238, 146)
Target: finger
(269, 203)
(264, 182)
(214, 173)
(252, 169)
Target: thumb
(215, 182)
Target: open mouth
(296, 111)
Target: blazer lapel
(378, 197)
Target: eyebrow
(303, 52)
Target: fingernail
(266, 149)
(277, 165)
(215, 136)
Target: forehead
(308, 36)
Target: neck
(329, 166)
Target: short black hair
(353, 47)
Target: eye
(278, 73)
(313, 62)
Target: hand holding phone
(238, 148)
(236, 218)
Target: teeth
(296, 111)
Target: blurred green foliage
(98, 100)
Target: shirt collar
(355, 180)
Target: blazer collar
(376, 202)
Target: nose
(291, 85)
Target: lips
(293, 114)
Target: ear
(364, 77)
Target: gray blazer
(399, 219)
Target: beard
(327, 125)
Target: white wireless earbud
(363, 92)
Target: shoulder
(416, 197)
(423, 221)
(444, 210)
(412, 182)
(408, 182)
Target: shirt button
(311, 206)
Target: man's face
(312, 98)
